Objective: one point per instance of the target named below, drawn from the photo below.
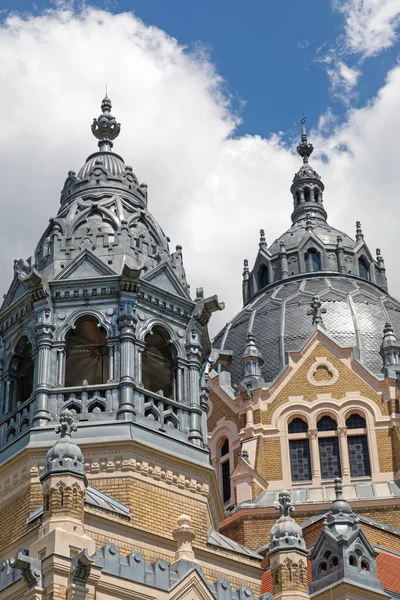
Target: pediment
(164, 277)
(191, 586)
(17, 289)
(85, 266)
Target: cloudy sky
(209, 95)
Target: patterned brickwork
(64, 500)
(269, 463)
(299, 385)
(290, 577)
(146, 499)
(55, 592)
(221, 409)
(14, 513)
(384, 442)
(396, 447)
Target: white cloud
(343, 79)
(210, 191)
(370, 25)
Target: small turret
(287, 554)
(252, 362)
(342, 555)
(390, 352)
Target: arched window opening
(21, 373)
(297, 426)
(307, 194)
(299, 451)
(322, 567)
(86, 354)
(316, 194)
(329, 454)
(334, 561)
(355, 421)
(358, 456)
(312, 261)
(364, 565)
(263, 276)
(157, 368)
(326, 423)
(363, 268)
(353, 561)
(225, 471)
(297, 198)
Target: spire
(263, 241)
(106, 128)
(252, 362)
(307, 187)
(304, 148)
(390, 352)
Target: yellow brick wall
(299, 385)
(269, 462)
(14, 513)
(221, 409)
(384, 442)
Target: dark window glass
(86, 354)
(326, 424)
(226, 482)
(313, 261)
(158, 354)
(298, 426)
(355, 422)
(300, 462)
(363, 268)
(358, 456)
(263, 276)
(329, 458)
(225, 448)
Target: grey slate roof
(220, 541)
(356, 312)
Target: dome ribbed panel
(298, 324)
(338, 319)
(112, 163)
(371, 321)
(266, 329)
(236, 339)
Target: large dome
(312, 275)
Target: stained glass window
(358, 456)
(329, 457)
(300, 460)
(326, 424)
(298, 426)
(355, 422)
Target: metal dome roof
(281, 321)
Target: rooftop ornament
(106, 128)
(304, 149)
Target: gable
(84, 266)
(337, 384)
(163, 277)
(17, 289)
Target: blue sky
(268, 53)
(210, 95)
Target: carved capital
(342, 431)
(313, 434)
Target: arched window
(299, 450)
(329, 456)
(21, 373)
(263, 276)
(86, 354)
(307, 194)
(363, 268)
(157, 368)
(358, 446)
(312, 260)
(297, 198)
(316, 194)
(225, 468)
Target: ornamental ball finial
(105, 128)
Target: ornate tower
(99, 320)
(287, 554)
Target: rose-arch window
(157, 363)
(299, 450)
(358, 446)
(312, 260)
(21, 374)
(86, 354)
(328, 445)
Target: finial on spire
(308, 221)
(67, 425)
(262, 237)
(304, 149)
(106, 128)
(359, 232)
(338, 488)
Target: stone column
(193, 351)
(249, 414)
(44, 336)
(127, 326)
(60, 367)
(315, 465)
(284, 262)
(344, 453)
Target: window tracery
(87, 354)
(157, 363)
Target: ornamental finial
(304, 149)
(284, 504)
(106, 128)
(67, 425)
(338, 488)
